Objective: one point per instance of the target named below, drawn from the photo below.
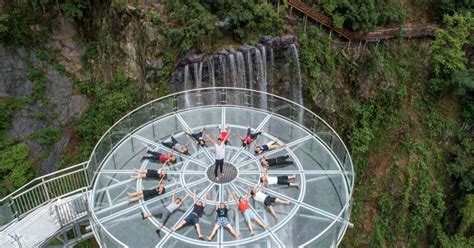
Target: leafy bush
(8, 106)
(111, 101)
(39, 80)
(194, 26)
(15, 165)
(361, 15)
(46, 136)
(73, 9)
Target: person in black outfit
(198, 137)
(149, 174)
(222, 220)
(147, 193)
(268, 162)
(175, 145)
(193, 218)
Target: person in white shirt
(267, 200)
(280, 180)
(165, 212)
(220, 154)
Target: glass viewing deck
(319, 210)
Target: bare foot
(252, 233)
(265, 226)
(173, 229)
(209, 239)
(201, 237)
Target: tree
(448, 53)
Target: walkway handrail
(420, 30)
(42, 190)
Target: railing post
(45, 189)
(175, 103)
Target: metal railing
(219, 96)
(42, 190)
(82, 176)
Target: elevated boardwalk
(416, 31)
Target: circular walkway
(315, 215)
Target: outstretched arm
(248, 194)
(215, 201)
(174, 194)
(240, 136)
(210, 139)
(235, 196)
(187, 144)
(186, 196)
(205, 198)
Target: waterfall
(263, 51)
(273, 67)
(297, 86)
(210, 67)
(271, 71)
(241, 70)
(187, 86)
(262, 83)
(223, 70)
(198, 79)
(233, 70)
(250, 69)
(198, 74)
(212, 80)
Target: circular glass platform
(319, 209)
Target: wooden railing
(421, 30)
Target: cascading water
(268, 68)
(262, 83)
(223, 69)
(212, 79)
(198, 77)
(187, 86)
(198, 74)
(263, 51)
(250, 83)
(297, 86)
(241, 70)
(233, 70)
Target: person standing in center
(220, 154)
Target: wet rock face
(61, 106)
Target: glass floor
(316, 216)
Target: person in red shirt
(250, 137)
(247, 212)
(225, 134)
(162, 157)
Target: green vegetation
(73, 9)
(405, 107)
(111, 101)
(361, 15)
(15, 165)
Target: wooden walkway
(422, 30)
